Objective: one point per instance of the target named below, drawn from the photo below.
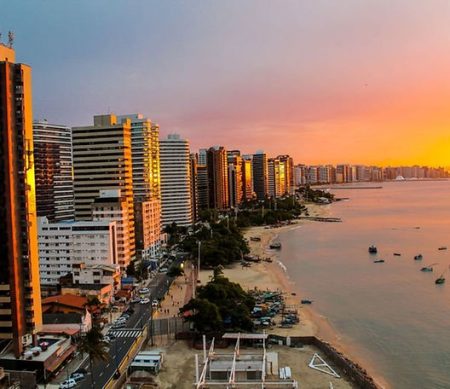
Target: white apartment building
(65, 244)
(110, 205)
(96, 275)
(176, 202)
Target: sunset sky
(326, 81)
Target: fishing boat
(418, 257)
(397, 254)
(306, 301)
(275, 245)
(428, 268)
(372, 249)
(440, 280)
(442, 248)
(378, 261)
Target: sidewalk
(179, 294)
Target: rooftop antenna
(10, 39)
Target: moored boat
(275, 245)
(378, 261)
(373, 249)
(397, 254)
(442, 248)
(418, 257)
(440, 280)
(305, 301)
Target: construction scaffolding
(249, 370)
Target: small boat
(428, 268)
(418, 257)
(372, 249)
(378, 261)
(442, 248)
(306, 301)
(440, 280)
(397, 254)
(275, 245)
(255, 239)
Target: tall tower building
(202, 187)
(53, 165)
(235, 183)
(20, 296)
(176, 202)
(260, 175)
(247, 177)
(102, 160)
(194, 185)
(146, 184)
(218, 178)
(288, 163)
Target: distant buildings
(176, 202)
(260, 175)
(247, 178)
(235, 178)
(53, 171)
(20, 297)
(218, 178)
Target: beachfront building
(202, 187)
(260, 175)
(53, 171)
(247, 178)
(20, 296)
(235, 178)
(65, 244)
(146, 184)
(176, 202)
(218, 178)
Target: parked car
(155, 303)
(145, 301)
(135, 300)
(80, 371)
(118, 325)
(68, 384)
(77, 376)
(144, 290)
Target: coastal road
(125, 337)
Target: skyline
(325, 77)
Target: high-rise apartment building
(260, 175)
(110, 205)
(53, 171)
(20, 296)
(202, 187)
(146, 183)
(176, 202)
(288, 178)
(276, 176)
(247, 177)
(194, 185)
(218, 177)
(102, 160)
(235, 183)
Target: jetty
(322, 219)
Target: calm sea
(391, 314)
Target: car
(118, 325)
(106, 339)
(125, 315)
(145, 301)
(144, 290)
(77, 376)
(155, 303)
(111, 335)
(135, 300)
(163, 270)
(80, 371)
(68, 384)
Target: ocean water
(390, 314)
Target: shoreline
(273, 276)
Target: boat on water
(373, 249)
(397, 254)
(255, 239)
(275, 245)
(440, 280)
(442, 248)
(428, 268)
(378, 261)
(306, 301)
(418, 257)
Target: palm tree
(92, 344)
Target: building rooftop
(69, 300)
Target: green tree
(92, 343)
